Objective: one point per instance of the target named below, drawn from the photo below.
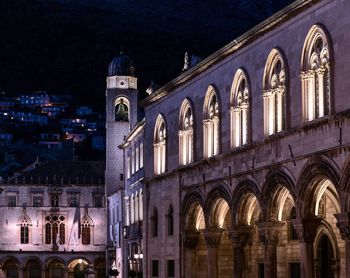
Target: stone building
(247, 171)
(133, 200)
(52, 221)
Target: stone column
(270, 233)
(20, 272)
(190, 241)
(239, 236)
(212, 238)
(343, 224)
(306, 229)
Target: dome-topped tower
(121, 73)
(122, 66)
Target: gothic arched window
(154, 220)
(86, 226)
(159, 145)
(316, 74)
(186, 133)
(121, 110)
(274, 93)
(24, 222)
(240, 119)
(170, 220)
(211, 121)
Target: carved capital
(240, 235)
(190, 239)
(343, 224)
(269, 231)
(306, 228)
(212, 236)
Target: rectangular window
(294, 270)
(11, 201)
(155, 268)
(98, 200)
(37, 201)
(73, 199)
(54, 200)
(141, 155)
(127, 166)
(132, 161)
(137, 158)
(171, 268)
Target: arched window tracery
(316, 74)
(159, 145)
(186, 133)
(24, 222)
(239, 112)
(211, 121)
(86, 229)
(55, 229)
(274, 93)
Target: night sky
(65, 46)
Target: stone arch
(79, 259)
(345, 186)
(12, 265)
(186, 132)
(245, 194)
(240, 111)
(35, 258)
(317, 170)
(160, 144)
(122, 109)
(33, 267)
(216, 207)
(211, 122)
(54, 258)
(275, 92)
(278, 188)
(192, 210)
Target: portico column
(306, 229)
(343, 224)
(270, 233)
(212, 238)
(239, 236)
(190, 241)
(20, 272)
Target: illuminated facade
(252, 179)
(53, 223)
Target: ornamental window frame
(211, 123)
(316, 74)
(54, 226)
(24, 222)
(87, 231)
(159, 145)
(275, 86)
(186, 133)
(240, 109)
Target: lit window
(159, 146)
(239, 111)
(121, 110)
(274, 93)
(141, 155)
(211, 124)
(141, 206)
(136, 207)
(128, 166)
(186, 134)
(315, 74)
(132, 209)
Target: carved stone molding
(190, 239)
(343, 224)
(269, 231)
(212, 237)
(306, 228)
(240, 235)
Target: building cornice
(248, 37)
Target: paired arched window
(316, 74)
(211, 121)
(154, 220)
(239, 112)
(24, 222)
(121, 110)
(159, 145)
(186, 133)
(86, 227)
(170, 220)
(274, 93)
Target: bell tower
(121, 116)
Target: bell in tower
(121, 112)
